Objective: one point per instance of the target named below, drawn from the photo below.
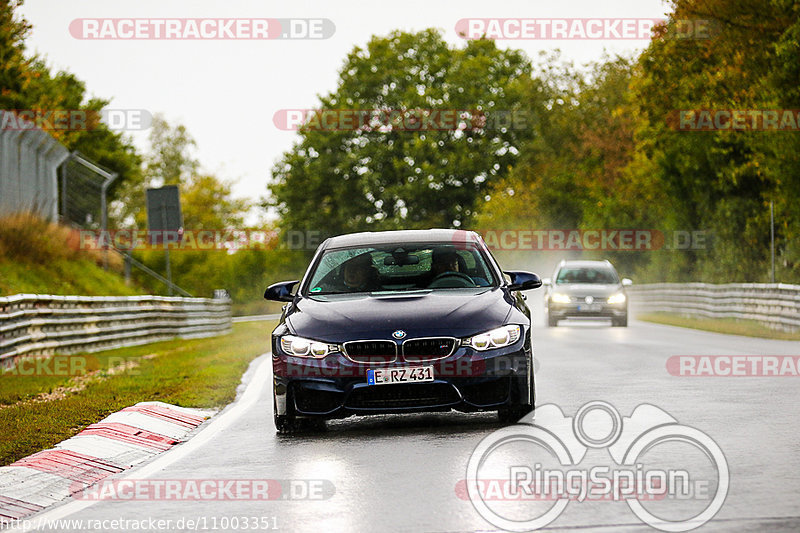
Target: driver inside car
(359, 275)
(447, 271)
(444, 261)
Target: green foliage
(39, 257)
(347, 180)
(608, 154)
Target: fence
(775, 305)
(29, 161)
(39, 325)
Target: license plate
(590, 307)
(408, 374)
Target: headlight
(559, 298)
(496, 338)
(305, 347)
(617, 298)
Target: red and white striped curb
(116, 443)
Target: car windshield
(405, 267)
(586, 275)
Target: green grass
(201, 373)
(729, 326)
(40, 257)
(61, 276)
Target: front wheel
(620, 322)
(286, 423)
(552, 322)
(514, 412)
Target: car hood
(423, 314)
(595, 290)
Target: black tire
(514, 412)
(291, 423)
(551, 322)
(284, 424)
(620, 322)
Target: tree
(722, 181)
(383, 178)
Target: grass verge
(729, 326)
(45, 404)
(40, 257)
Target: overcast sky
(226, 92)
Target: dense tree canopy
(356, 179)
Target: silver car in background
(586, 289)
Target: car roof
(586, 263)
(416, 236)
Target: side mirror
(547, 282)
(281, 292)
(523, 281)
(626, 282)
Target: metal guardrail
(775, 305)
(34, 325)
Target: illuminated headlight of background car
(496, 338)
(617, 298)
(559, 298)
(301, 347)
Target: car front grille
(403, 395)
(371, 351)
(415, 350)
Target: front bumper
(466, 381)
(577, 310)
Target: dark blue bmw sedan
(399, 322)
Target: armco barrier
(776, 305)
(39, 325)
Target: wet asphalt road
(400, 473)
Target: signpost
(164, 220)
